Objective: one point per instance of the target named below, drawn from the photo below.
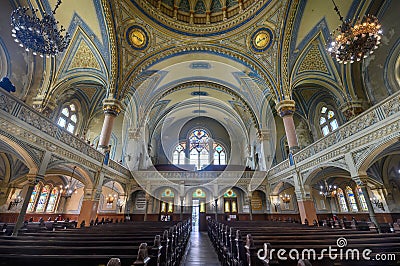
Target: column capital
(361, 180)
(285, 107)
(34, 179)
(112, 106)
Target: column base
(88, 212)
(307, 211)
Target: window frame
(69, 121)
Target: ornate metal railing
(26, 114)
(379, 112)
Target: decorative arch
(220, 53)
(309, 176)
(371, 154)
(22, 153)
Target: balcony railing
(26, 114)
(377, 113)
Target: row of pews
(256, 243)
(130, 243)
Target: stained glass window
(52, 200)
(219, 155)
(178, 156)
(68, 118)
(327, 121)
(168, 193)
(230, 194)
(32, 200)
(199, 193)
(361, 199)
(341, 200)
(202, 207)
(352, 199)
(199, 148)
(42, 199)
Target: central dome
(201, 17)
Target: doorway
(195, 215)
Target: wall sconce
(377, 203)
(15, 202)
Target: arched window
(361, 199)
(230, 202)
(178, 156)
(42, 199)
(199, 148)
(352, 199)
(52, 200)
(219, 155)
(68, 118)
(327, 120)
(341, 200)
(167, 201)
(32, 200)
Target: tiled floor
(201, 252)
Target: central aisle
(201, 251)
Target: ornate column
(362, 181)
(32, 181)
(286, 110)
(90, 204)
(264, 137)
(304, 201)
(182, 198)
(250, 195)
(148, 198)
(111, 108)
(216, 209)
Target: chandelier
(67, 191)
(355, 43)
(39, 35)
(285, 198)
(328, 191)
(111, 196)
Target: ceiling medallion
(137, 37)
(261, 40)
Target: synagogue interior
(196, 116)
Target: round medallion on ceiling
(137, 37)
(261, 40)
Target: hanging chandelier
(68, 190)
(41, 36)
(353, 43)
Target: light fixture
(17, 200)
(328, 191)
(111, 197)
(377, 203)
(39, 35)
(67, 190)
(353, 43)
(285, 198)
